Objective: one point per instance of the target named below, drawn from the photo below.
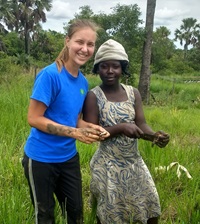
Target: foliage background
(35, 47)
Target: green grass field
(174, 108)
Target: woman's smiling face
(81, 45)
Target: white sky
(168, 13)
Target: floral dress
(121, 182)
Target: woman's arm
(90, 109)
(91, 114)
(159, 138)
(140, 120)
(36, 119)
(86, 134)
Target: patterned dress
(121, 182)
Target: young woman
(121, 182)
(51, 161)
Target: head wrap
(110, 50)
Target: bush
(8, 69)
(179, 66)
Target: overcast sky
(168, 13)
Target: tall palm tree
(145, 73)
(188, 33)
(31, 13)
(22, 16)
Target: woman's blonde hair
(73, 27)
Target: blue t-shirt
(64, 96)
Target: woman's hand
(91, 134)
(161, 139)
(88, 132)
(131, 130)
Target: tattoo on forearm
(52, 129)
(58, 130)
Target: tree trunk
(27, 39)
(145, 73)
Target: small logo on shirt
(82, 91)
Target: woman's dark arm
(91, 114)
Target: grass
(174, 113)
